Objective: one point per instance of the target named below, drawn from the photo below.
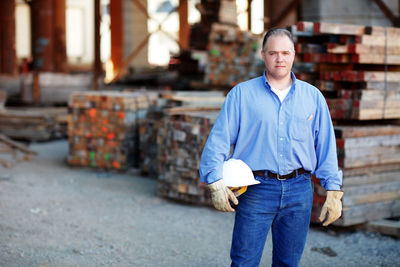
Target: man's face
(278, 56)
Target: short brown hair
(277, 32)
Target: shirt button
(281, 155)
(281, 138)
(281, 123)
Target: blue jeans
(285, 207)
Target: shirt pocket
(301, 127)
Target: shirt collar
(269, 86)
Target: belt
(269, 174)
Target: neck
(281, 83)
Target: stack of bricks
(181, 138)
(357, 69)
(234, 56)
(103, 128)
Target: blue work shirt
(269, 135)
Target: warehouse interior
(106, 105)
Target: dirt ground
(55, 215)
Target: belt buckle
(280, 179)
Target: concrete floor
(55, 215)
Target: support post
(8, 55)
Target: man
(281, 128)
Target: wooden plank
(16, 145)
(335, 28)
(386, 227)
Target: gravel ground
(55, 215)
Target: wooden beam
(131, 56)
(183, 24)
(142, 8)
(117, 33)
(267, 14)
(289, 8)
(388, 12)
(249, 15)
(42, 14)
(97, 68)
(8, 57)
(60, 50)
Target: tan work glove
(332, 208)
(221, 195)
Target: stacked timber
(103, 128)
(233, 56)
(182, 135)
(33, 124)
(357, 67)
(370, 159)
(177, 100)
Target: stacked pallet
(360, 64)
(103, 128)
(181, 137)
(33, 124)
(357, 69)
(233, 56)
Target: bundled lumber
(34, 124)
(181, 138)
(362, 146)
(175, 102)
(366, 198)
(361, 64)
(103, 128)
(369, 157)
(357, 69)
(233, 56)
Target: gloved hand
(332, 208)
(221, 195)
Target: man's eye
(286, 53)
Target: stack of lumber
(103, 128)
(181, 137)
(233, 56)
(357, 68)
(12, 152)
(359, 65)
(33, 124)
(370, 159)
(148, 128)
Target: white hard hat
(236, 173)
